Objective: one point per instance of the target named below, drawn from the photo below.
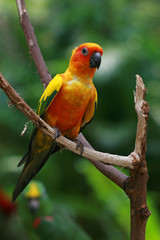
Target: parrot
(67, 104)
(45, 218)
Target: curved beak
(95, 60)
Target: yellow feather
(33, 191)
(54, 85)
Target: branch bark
(136, 187)
(109, 171)
(32, 43)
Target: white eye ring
(84, 51)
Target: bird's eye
(84, 51)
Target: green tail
(34, 160)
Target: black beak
(95, 60)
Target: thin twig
(142, 110)
(25, 128)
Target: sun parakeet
(68, 104)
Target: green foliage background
(129, 33)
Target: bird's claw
(79, 145)
(57, 132)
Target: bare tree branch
(142, 110)
(123, 161)
(32, 43)
(136, 186)
(109, 171)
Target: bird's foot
(57, 132)
(79, 145)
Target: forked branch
(136, 185)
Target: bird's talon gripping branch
(79, 145)
(57, 132)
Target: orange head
(85, 59)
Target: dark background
(129, 34)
